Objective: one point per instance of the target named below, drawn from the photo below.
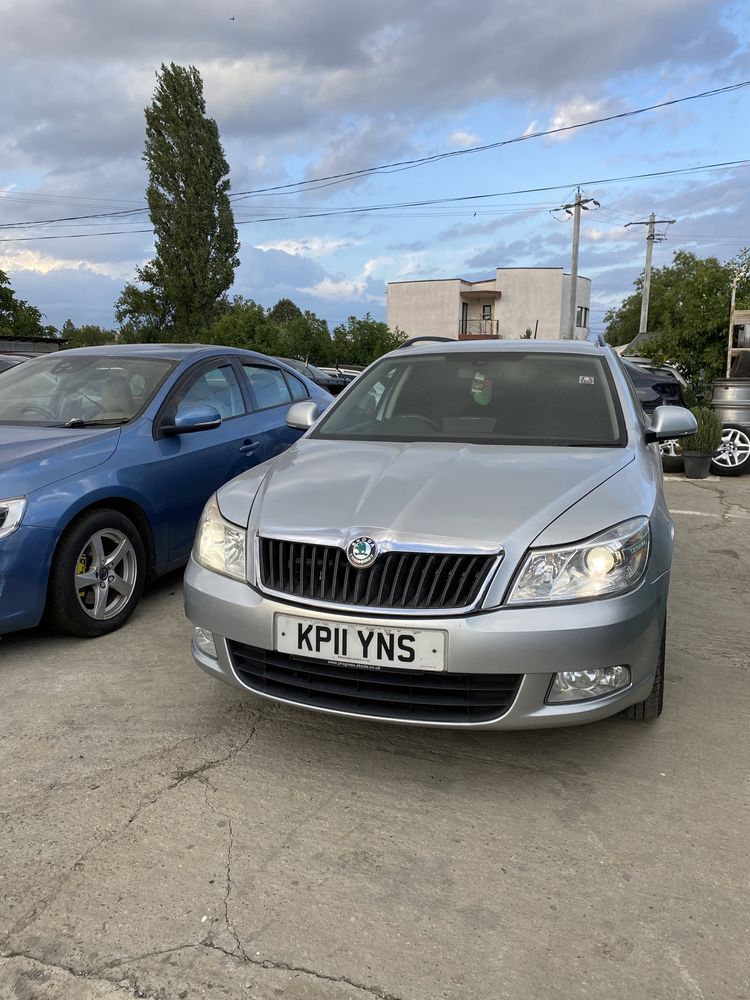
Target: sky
(303, 91)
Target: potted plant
(698, 449)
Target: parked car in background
(658, 387)
(331, 383)
(474, 535)
(347, 372)
(107, 456)
(10, 361)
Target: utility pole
(574, 209)
(651, 238)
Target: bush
(707, 437)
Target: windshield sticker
(585, 379)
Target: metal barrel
(731, 400)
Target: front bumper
(534, 642)
(24, 567)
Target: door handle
(248, 447)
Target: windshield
(513, 397)
(76, 390)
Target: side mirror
(193, 417)
(301, 416)
(671, 422)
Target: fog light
(582, 685)
(204, 641)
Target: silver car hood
(457, 496)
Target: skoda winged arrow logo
(362, 552)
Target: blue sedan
(107, 457)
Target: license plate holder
(358, 644)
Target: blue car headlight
(11, 515)
(607, 564)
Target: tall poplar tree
(187, 194)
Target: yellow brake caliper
(81, 568)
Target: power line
(409, 164)
(366, 209)
(73, 218)
(304, 186)
(501, 194)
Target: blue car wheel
(97, 575)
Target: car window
(509, 397)
(268, 385)
(216, 387)
(634, 397)
(297, 388)
(71, 389)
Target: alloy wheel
(671, 448)
(734, 450)
(106, 572)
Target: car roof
(492, 346)
(163, 352)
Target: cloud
(313, 246)
(64, 293)
(302, 89)
(572, 112)
(363, 287)
(296, 69)
(42, 263)
(463, 138)
(552, 250)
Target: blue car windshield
(79, 390)
(503, 398)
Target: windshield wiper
(80, 422)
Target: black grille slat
(403, 559)
(411, 581)
(419, 696)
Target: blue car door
(272, 392)
(197, 464)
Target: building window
(487, 312)
(582, 317)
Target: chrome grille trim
(408, 580)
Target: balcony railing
(475, 329)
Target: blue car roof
(166, 352)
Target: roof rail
(596, 338)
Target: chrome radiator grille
(411, 581)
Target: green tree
(305, 337)
(243, 323)
(360, 341)
(187, 194)
(284, 311)
(689, 309)
(88, 335)
(17, 317)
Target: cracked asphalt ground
(162, 837)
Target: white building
(517, 299)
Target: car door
(272, 392)
(197, 464)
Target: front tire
(651, 708)
(733, 457)
(97, 576)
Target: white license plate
(352, 642)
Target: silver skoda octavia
(474, 535)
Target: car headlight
(607, 564)
(219, 544)
(11, 515)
